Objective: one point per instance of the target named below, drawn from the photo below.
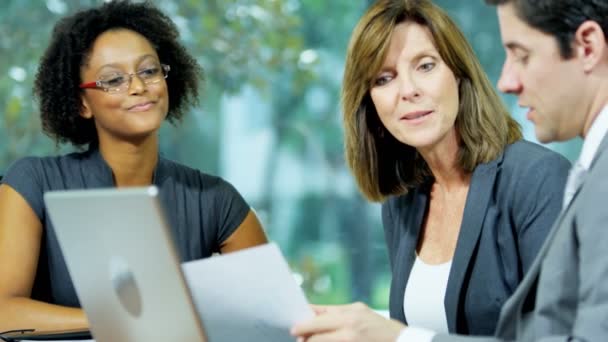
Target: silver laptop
(123, 265)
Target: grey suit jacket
(564, 296)
(511, 206)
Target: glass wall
(269, 121)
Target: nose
(136, 85)
(509, 79)
(408, 89)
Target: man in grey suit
(557, 65)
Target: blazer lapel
(512, 309)
(480, 190)
(600, 150)
(603, 146)
(406, 254)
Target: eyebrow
(418, 56)
(425, 53)
(119, 66)
(516, 46)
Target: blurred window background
(269, 120)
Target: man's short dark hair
(559, 18)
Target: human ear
(85, 109)
(590, 44)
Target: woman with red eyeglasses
(109, 78)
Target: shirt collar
(594, 138)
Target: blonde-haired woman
(467, 202)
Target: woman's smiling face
(139, 110)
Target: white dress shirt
(594, 138)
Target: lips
(140, 107)
(529, 111)
(416, 115)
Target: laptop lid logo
(125, 286)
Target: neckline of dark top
(96, 165)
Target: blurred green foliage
(290, 55)
(280, 49)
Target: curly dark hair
(58, 78)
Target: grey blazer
(564, 296)
(510, 208)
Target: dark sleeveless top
(202, 210)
